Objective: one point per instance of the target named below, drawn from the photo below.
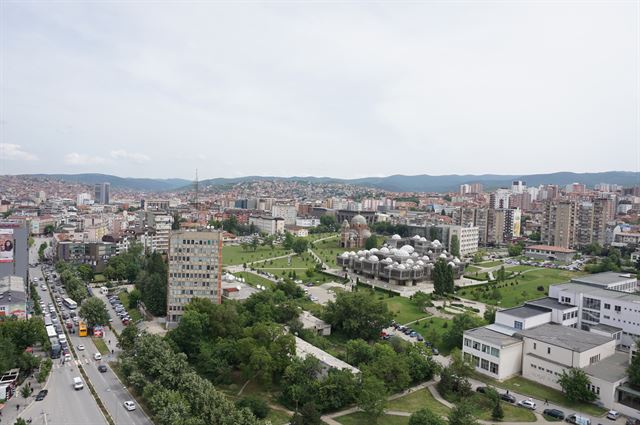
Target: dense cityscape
(319, 212)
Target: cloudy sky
(158, 89)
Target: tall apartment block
(102, 193)
(195, 270)
(570, 224)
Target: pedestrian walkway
(17, 404)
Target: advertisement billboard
(7, 245)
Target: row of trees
(443, 278)
(15, 336)
(75, 287)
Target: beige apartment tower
(195, 270)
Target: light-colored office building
(268, 225)
(287, 212)
(195, 270)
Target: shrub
(256, 405)
(541, 288)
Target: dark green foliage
(461, 414)
(357, 315)
(575, 386)
(443, 278)
(426, 417)
(455, 246)
(256, 405)
(94, 312)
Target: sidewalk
(14, 407)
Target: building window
(517, 325)
(476, 345)
(493, 368)
(535, 345)
(485, 348)
(591, 303)
(617, 309)
(484, 364)
(594, 359)
(476, 361)
(548, 350)
(495, 352)
(607, 306)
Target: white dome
(390, 266)
(344, 255)
(408, 248)
(456, 260)
(401, 267)
(396, 237)
(426, 258)
(387, 261)
(420, 263)
(452, 264)
(415, 255)
(417, 268)
(409, 261)
(442, 256)
(352, 253)
(373, 250)
(444, 251)
(358, 219)
(384, 250)
(374, 259)
(423, 239)
(429, 252)
(361, 252)
(401, 253)
(393, 251)
(436, 243)
(416, 237)
(229, 277)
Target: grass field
(433, 330)
(416, 401)
(303, 261)
(489, 264)
(278, 417)
(100, 345)
(359, 418)
(521, 288)
(255, 280)
(133, 312)
(404, 309)
(327, 250)
(482, 406)
(234, 254)
(533, 389)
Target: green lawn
(359, 418)
(328, 250)
(315, 236)
(100, 345)
(471, 269)
(519, 289)
(489, 264)
(416, 401)
(533, 389)
(133, 312)
(483, 405)
(255, 280)
(99, 278)
(278, 417)
(404, 309)
(433, 330)
(303, 262)
(234, 254)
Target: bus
(69, 303)
(47, 320)
(82, 329)
(51, 332)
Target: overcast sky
(158, 89)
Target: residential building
(499, 199)
(287, 212)
(307, 221)
(467, 237)
(83, 199)
(101, 193)
(518, 186)
(504, 225)
(327, 361)
(95, 254)
(559, 224)
(195, 270)
(268, 225)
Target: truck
(55, 347)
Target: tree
(634, 372)
(455, 246)
(497, 413)
(49, 229)
(85, 272)
(575, 386)
(443, 278)
(357, 315)
(459, 324)
(371, 242)
(426, 417)
(41, 250)
(490, 314)
(25, 391)
(433, 233)
(300, 245)
(254, 243)
(461, 414)
(134, 298)
(372, 396)
(20, 421)
(94, 311)
(308, 415)
(256, 405)
(288, 240)
(128, 337)
(515, 249)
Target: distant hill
(151, 185)
(396, 183)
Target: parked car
(554, 413)
(613, 415)
(41, 395)
(481, 389)
(578, 420)
(420, 337)
(527, 404)
(508, 398)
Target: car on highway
(97, 356)
(129, 405)
(527, 404)
(41, 395)
(80, 347)
(102, 368)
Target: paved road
(63, 405)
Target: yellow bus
(82, 329)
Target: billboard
(7, 245)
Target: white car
(129, 405)
(97, 356)
(81, 347)
(527, 404)
(612, 414)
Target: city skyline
(318, 89)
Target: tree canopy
(357, 315)
(575, 385)
(94, 312)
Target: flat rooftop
(492, 337)
(610, 369)
(12, 287)
(599, 292)
(550, 248)
(565, 337)
(525, 311)
(304, 349)
(604, 279)
(550, 303)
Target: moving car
(41, 395)
(508, 398)
(77, 383)
(554, 413)
(80, 347)
(527, 404)
(102, 368)
(97, 356)
(129, 405)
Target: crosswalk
(70, 363)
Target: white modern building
(287, 212)
(268, 225)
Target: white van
(77, 383)
(104, 290)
